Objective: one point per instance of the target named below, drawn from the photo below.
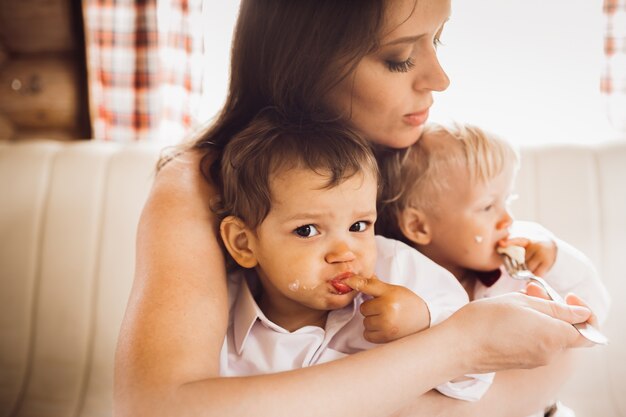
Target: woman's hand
(516, 331)
(535, 290)
(394, 312)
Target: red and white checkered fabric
(613, 82)
(144, 61)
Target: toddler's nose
(340, 252)
(506, 221)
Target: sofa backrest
(68, 217)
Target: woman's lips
(339, 285)
(416, 119)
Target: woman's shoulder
(181, 193)
(182, 176)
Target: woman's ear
(415, 226)
(235, 235)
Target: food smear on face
(294, 286)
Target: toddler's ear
(414, 226)
(235, 235)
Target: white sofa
(68, 215)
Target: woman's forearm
(371, 383)
(381, 381)
(514, 393)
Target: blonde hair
(423, 169)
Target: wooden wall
(43, 87)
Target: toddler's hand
(394, 312)
(540, 255)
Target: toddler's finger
(541, 269)
(370, 286)
(534, 263)
(515, 241)
(374, 336)
(374, 323)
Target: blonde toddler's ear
(235, 235)
(415, 226)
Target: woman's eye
(307, 230)
(359, 226)
(403, 66)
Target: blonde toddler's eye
(308, 230)
(359, 226)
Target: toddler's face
(471, 219)
(315, 236)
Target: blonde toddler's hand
(540, 255)
(394, 312)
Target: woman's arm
(514, 393)
(167, 361)
(177, 313)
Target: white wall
(526, 69)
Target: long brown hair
(288, 54)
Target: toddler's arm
(439, 291)
(392, 313)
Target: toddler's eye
(489, 207)
(359, 226)
(308, 230)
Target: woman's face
(388, 96)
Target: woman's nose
(432, 77)
(340, 252)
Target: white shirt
(255, 345)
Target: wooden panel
(4, 56)
(39, 92)
(31, 26)
(54, 134)
(6, 128)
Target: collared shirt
(255, 345)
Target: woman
(373, 64)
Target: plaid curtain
(144, 60)
(613, 83)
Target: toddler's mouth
(339, 285)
